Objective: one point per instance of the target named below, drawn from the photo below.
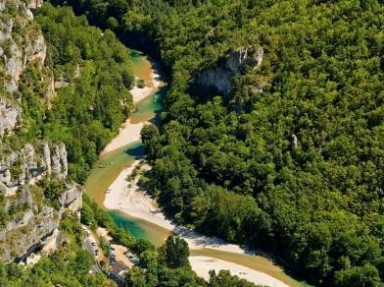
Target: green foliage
(321, 61)
(93, 216)
(141, 245)
(304, 156)
(52, 190)
(365, 276)
(94, 71)
(150, 138)
(224, 278)
(140, 84)
(306, 149)
(148, 259)
(3, 217)
(174, 253)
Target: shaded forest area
(92, 78)
(292, 160)
(92, 75)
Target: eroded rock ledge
(220, 78)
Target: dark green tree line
(298, 142)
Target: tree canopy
(92, 75)
(297, 145)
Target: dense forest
(93, 76)
(292, 158)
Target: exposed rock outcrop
(2, 5)
(47, 157)
(19, 170)
(35, 229)
(21, 45)
(220, 77)
(56, 162)
(13, 68)
(16, 57)
(24, 235)
(3, 189)
(31, 166)
(36, 50)
(71, 199)
(34, 4)
(64, 159)
(9, 116)
(48, 245)
(59, 161)
(35, 207)
(295, 141)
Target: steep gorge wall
(22, 45)
(29, 219)
(219, 78)
(32, 216)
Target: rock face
(16, 57)
(47, 157)
(64, 159)
(57, 162)
(295, 141)
(21, 237)
(220, 77)
(34, 4)
(35, 220)
(2, 5)
(28, 166)
(21, 45)
(71, 199)
(36, 50)
(9, 116)
(34, 210)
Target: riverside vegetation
(78, 112)
(290, 158)
(88, 112)
(92, 76)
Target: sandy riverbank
(129, 199)
(120, 250)
(136, 203)
(130, 132)
(202, 265)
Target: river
(111, 164)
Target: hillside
(40, 203)
(273, 129)
(65, 90)
(35, 191)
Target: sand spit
(129, 199)
(130, 132)
(202, 265)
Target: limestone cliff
(34, 189)
(31, 216)
(9, 116)
(26, 165)
(22, 46)
(220, 77)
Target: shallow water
(141, 228)
(111, 164)
(108, 167)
